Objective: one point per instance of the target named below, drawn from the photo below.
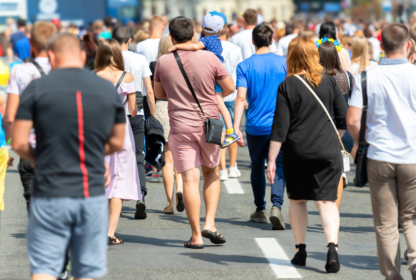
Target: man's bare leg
(192, 201)
(212, 190)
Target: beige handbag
(344, 153)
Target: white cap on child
(214, 21)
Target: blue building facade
(82, 12)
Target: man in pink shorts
(187, 136)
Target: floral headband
(335, 42)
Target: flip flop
(180, 206)
(188, 244)
(214, 237)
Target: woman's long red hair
(303, 56)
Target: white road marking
(233, 186)
(277, 258)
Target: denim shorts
(80, 222)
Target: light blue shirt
(261, 75)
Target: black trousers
(137, 125)
(27, 175)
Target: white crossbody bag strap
(326, 111)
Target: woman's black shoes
(300, 256)
(332, 260)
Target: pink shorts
(189, 150)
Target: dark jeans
(137, 126)
(258, 147)
(27, 175)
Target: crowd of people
(115, 105)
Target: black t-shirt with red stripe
(73, 112)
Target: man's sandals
(214, 237)
(114, 241)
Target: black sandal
(188, 244)
(114, 241)
(214, 237)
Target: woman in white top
(361, 59)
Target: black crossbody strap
(119, 83)
(365, 108)
(42, 73)
(178, 60)
(121, 80)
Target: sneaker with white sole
(223, 175)
(233, 172)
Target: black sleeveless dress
(312, 162)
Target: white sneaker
(223, 175)
(345, 180)
(233, 172)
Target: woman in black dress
(312, 162)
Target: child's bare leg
(224, 112)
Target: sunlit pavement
(154, 249)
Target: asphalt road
(154, 249)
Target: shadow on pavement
(350, 261)
(225, 259)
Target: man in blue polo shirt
(258, 78)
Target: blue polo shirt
(261, 75)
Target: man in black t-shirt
(68, 203)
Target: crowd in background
(296, 56)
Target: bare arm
(354, 122)
(20, 143)
(239, 104)
(227, 86)
(132, 104)
(115, 141)
(11, 109)
(187, 47)
(274, 151)
(160, 91)
(150, 95)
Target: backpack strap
(42, 73)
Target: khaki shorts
(189, 150)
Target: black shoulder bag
(118, 85)
(213, 127)
(42, 73)
(361, 157)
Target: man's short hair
(181, 29)
(63, 42)
(40, 34)
(224, 30)
(121, 34)
(394, 36)
(413, 32)
(250, 15)
(21, 22)
(298, 24)
(156, 22)
(262, 35)
(108, 21)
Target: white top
(283, 44)
(244, 40)
(149, 49)
(136, 64)
(376, 48)
(24, 73)
(21, 77)
(391, 115)
(232, 57)
(356, 67)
